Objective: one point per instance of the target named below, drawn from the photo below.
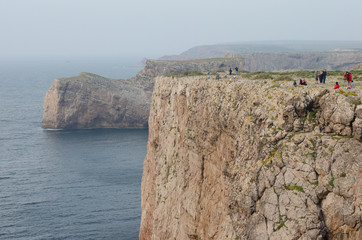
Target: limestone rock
(241, 160)
(91, 101)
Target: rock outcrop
(248, 159)
(92, 101)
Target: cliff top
(252, 158)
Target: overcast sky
(153, 28)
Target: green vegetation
(341, 137)
(355, 101)
(310, 154)
(294, 187)
(269, 161)
(258, 75)
(292, 75)
(188, 73)
(311, 116)
(343, 175)
(276, 85)
(296, 133)
(282, 224)
(315, 183)
(331, 182)
(314, 143)
(351, 96)
(219, 71)
(284, 78)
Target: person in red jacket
(336, 86)
(348, 77)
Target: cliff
(244, 159)
(92, 101)
(276, 61)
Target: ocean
(65, 184)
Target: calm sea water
(79, 184)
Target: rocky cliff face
(252, 160)
(91, 101)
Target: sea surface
(65, 184)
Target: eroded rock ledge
(252, 160)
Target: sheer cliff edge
(252, 159)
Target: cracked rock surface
(251, 160)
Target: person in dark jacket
(324, 76)
(231, 71)
(303, 82)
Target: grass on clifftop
(287, 76)
(188, 73)
(277, 76)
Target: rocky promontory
(92, 101)
(252, 159)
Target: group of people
(302, 82)
(350, 83)
(218, 74)
(321, 76)
(322, 79)
(236, 71)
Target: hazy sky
(153, 28)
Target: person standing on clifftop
(348, 76)
(324, 76)
(316, 76)
(230, 71)
(320, 76)
(236, 70)
(217, 76)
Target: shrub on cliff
(188, 73)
